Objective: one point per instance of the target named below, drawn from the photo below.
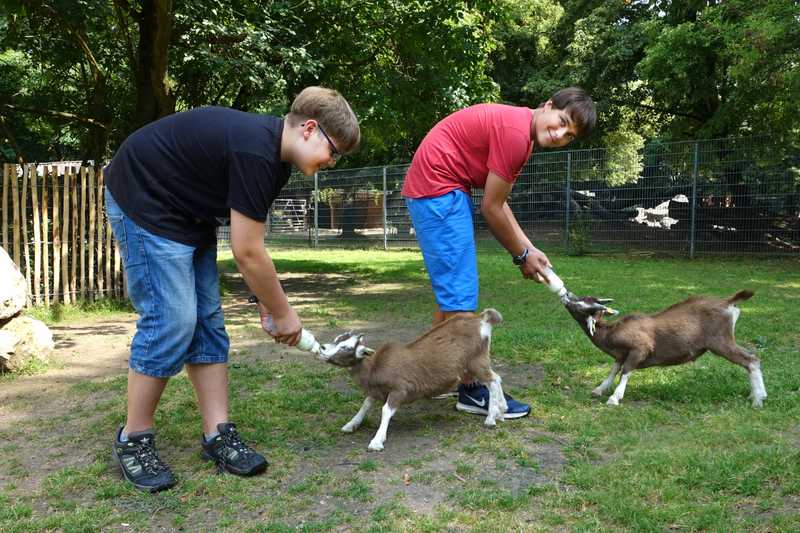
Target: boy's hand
(534, 265)
(287, 328)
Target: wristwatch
(519, 260)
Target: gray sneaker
(140, 464)
(231, 454)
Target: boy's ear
(307, 127)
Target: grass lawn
(684, 450)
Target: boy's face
(553, 128)
(315, 150)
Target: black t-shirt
(180, 176)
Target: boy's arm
(506, 229)
(247, 245)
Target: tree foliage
(78, 76)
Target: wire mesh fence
(721, 196)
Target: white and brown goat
(677, 335)
(396, 374)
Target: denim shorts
(444, 229)
(175, 289)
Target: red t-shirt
(460, 151)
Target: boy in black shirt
(169, 186)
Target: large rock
(13, 289)
(24, 339)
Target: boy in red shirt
(485, 147)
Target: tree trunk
(154, 98)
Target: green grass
(684, 451)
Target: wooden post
(99, 209)
(26, 170)
(73, 280)
(82, 236)
(56, 238)
(4, 212)
(108, 251)
(91, 234)
(15, 230)
(65, 237)
(37, 238)
(46, 175)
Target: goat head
(346, 350)
(588, 309)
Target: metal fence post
(567, 198)
(316, 209)
(695, 162)
(385, 226)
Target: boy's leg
(207, 366)
(161, 288)
(444, 230)
(445, 235)
(210, 383)
(143, 395)
(207, 360)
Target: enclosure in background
(726, 196)
(734, 196)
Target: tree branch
(59, 114)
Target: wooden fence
(55, 229)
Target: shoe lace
(231, 439)
(148, 457)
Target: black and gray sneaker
(140, 464)
(231, 454)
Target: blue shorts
(175, 289)
(446, 237)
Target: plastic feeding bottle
(307, 342)
(554, 283)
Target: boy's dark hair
(580, 107)
(332, 111)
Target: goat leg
(356, 420)
(757, 390)
(387, 412)
(739, 356)
(619, 392)
(605, 385)
(497, 401)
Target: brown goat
(677, 335)
(455, 350)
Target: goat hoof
(489, 423)
(347, 428)
(375, 447)
(758, 402)
(597, 392)
(612, 401)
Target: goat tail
(741, 295)
(492, 316)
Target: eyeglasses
(335, 153)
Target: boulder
(24, 339)
(13, 289)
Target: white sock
(209, 437)
(123, 437)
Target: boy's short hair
(580, 107)
(332, 111)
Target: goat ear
(362, 351)
(590, 325)
(342, 337)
